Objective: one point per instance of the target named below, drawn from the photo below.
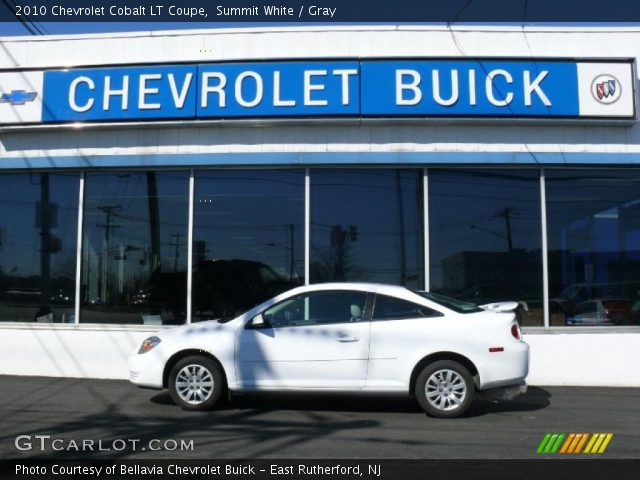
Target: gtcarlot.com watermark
(48, 443)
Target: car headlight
(148, 344)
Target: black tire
(202, 383)
(447, 398)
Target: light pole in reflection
(45, 221)
(110, 212)
(177, 244)
(289, 249)
(506, 214)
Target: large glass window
(367, 225)
(248, 239)
(593, 225)
(485, 237)
(38, 242)
(134, 255)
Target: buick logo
(606, 89)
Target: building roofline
(495, 28)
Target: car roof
(369, 287)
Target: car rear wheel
(196, 383)
(445, 389)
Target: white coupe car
(343, 337)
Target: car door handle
(347, 339)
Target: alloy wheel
(446, 389)
(194, 384)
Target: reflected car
(605, 312)
(578, 293)
(225, 288)
(342, 337)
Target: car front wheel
(444, 389)
(196, 383)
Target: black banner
(320, 11)
(545, 468)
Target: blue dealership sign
(470, 88)
(277, 89)
(365, 88)
(120, 93)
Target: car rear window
(450, 303)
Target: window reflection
(366, 225)
(485, 237)
(593, 219)
(38, 238)
(134, 254)
(248, 239)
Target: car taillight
(515, 331)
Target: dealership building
(149, 180)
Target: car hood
(207, 326)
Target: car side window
(317, 308)
(391, 308)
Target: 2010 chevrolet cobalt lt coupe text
(342, 337)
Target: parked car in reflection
(609, 311)
(343, 337)
(226, 288)
(221, 289)
(575, 294)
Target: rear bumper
(506, 369)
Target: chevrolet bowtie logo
(18, 97)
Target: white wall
(68, 352)
(605, 359)
(585, 359)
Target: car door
(318, 339)
(398, 328)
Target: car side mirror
(259, 322)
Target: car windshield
(451, 303)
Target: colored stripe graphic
(551, 442)
(543, 443)
(573, 443)
(598, 442)
(565, 447)
(556, 445)
(581, 442)
(608, 438)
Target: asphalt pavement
(65, 418)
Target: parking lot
(126, 421)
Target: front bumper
(146, 369)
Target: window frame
(366, 312)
